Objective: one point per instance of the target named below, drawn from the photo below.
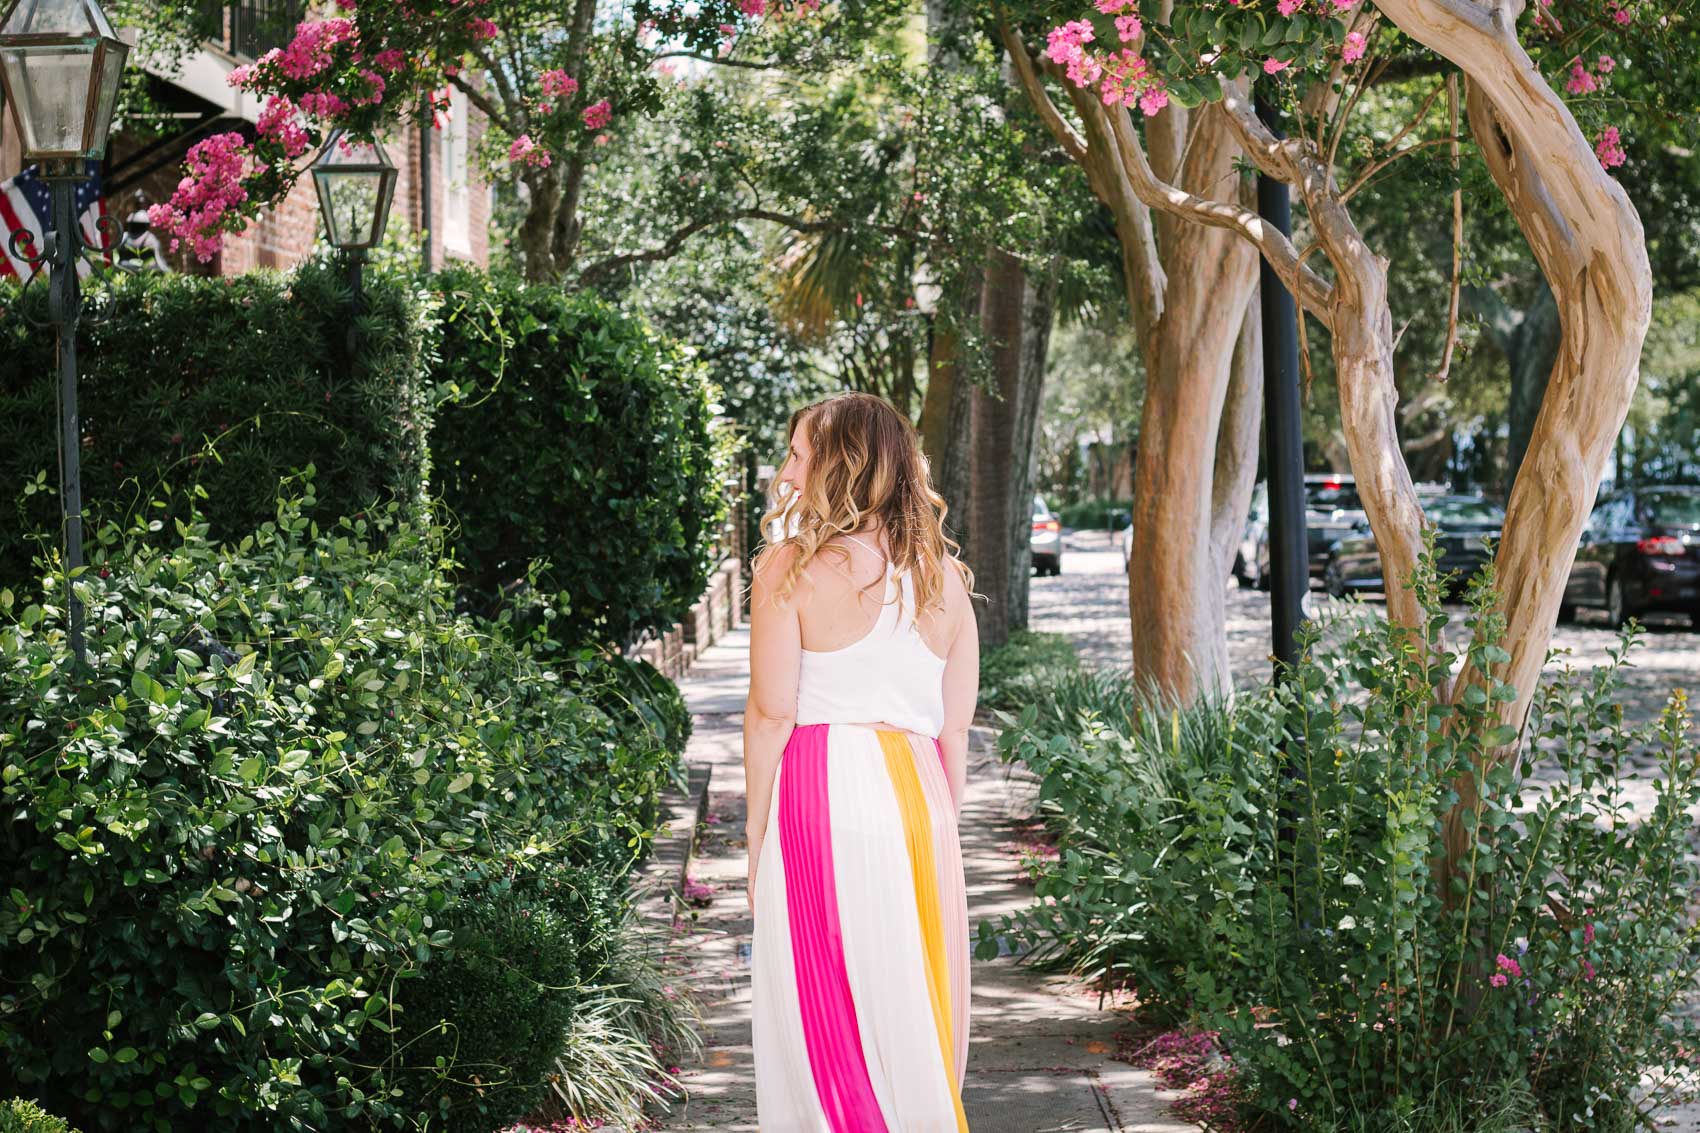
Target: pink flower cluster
(525, 151)
(279, 122)
(204, 198)
(598, 115)
(1609, 149)
(558, 84)
(1507, 967)
(1123, 77)
(310, 51)
(1354, 47)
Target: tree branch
(1067, 137)
(726, 61)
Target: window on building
(457, 195)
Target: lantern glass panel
(50, 91)
(55, 17)
(349, 202)
(111, 65)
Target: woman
(864, 666)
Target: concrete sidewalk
(1039, 1055)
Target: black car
(1464, 523)
(1640, 552)
(1332, 512)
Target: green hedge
(1093, 515)
(21, 1116)
(295, 769)
(573, 434)
(230, 383)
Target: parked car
(1332, 512)
(1046, 542)
(1252, 556)
(1639, 552)
(1465, 524)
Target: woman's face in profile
(793, 473)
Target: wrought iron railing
(250, 28)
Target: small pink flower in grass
(1288, 7)
(598, 115)
(1506, 964)
(1609, 149)
(1354, 47)
(1497, 979)
(1274, 66)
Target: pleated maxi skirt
(860, 957)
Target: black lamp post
(356, 184)
(60, 66)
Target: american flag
(26, 202)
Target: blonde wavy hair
(866, 463)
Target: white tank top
(888, 675)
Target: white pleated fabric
(861, 964)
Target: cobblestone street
(1088, 603)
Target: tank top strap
(870, 547)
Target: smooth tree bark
(1003, 303)
(1237, 441)
(1188, 288)
(1038, 319)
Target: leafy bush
(573, 435)
(1093, 515)
(1268, 869)
(228, 383)
(231, 846)
(1010, 673)
(21, 1116)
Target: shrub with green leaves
(229, 383)
(1267, 868)
(232, 842)
(22, 1116)
(572, 434)
(1011, 673)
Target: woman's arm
(770, 712)
(961, 686)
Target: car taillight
(1661, 545)
(1046, 525)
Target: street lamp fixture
(60, 67)
(60, 64)
(356, 184)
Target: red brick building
(139, 172)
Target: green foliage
(570, 434)
(231, 846)
(228, 384)
(1270, 868)
(495, 1011)
(21, 1116)
(1095, 515)
(1010, 673)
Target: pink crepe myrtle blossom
(1128, 28)
(1153, 100)
(1588, 972)
(1068, 41)
(1354, 47)
(483, 28)
(524, 150)
(1609, 149)
(1606, 64)
(375, 88)
(1288, 7)
(1506, 964)
(753, 8)
(1497, 979)
(1581, 82)
(207, 196)
(598, 115)
(279, 123)
(390, 59)
(323, 104)
(558, 84)
(1274, 66)
(1588, 933)
(1112, 7)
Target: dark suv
(1640, 552)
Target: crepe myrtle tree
(1121, 59)
(557, 82)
